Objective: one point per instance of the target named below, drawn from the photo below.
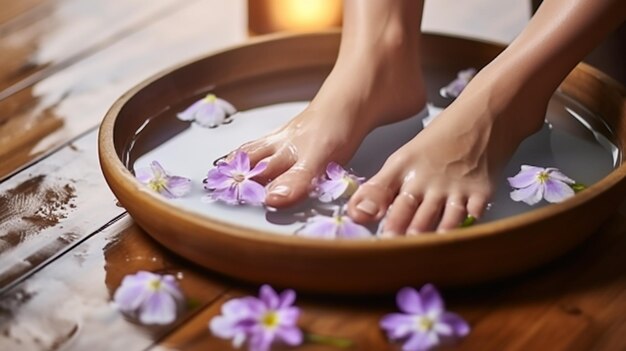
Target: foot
(450, 169)
(370, 85)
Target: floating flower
(153, 298)
(330, 227)
(424, 323)
(157, 179)
(259, 321)
(535, 183)
(210, 111)
(455, 87)
(337, 183)
(231, 182)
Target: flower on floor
(157, 179)
(532, 184)
(424, 323)
(153, 298)
(338, 225)
(210, 111)
(337, 183)
(231, 181)
(455, 87)
(259, 321)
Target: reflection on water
(585, 154)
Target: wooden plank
(52, 206)
(40, 118)
(70, 30)
(14, 8)
(67, 305)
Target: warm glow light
(304, 14)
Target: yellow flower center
(353, 185)
(210, 98)
(425, 324)
(157, 184)
(543, 177)
(270, 320)
(239, 178)
(155, 285)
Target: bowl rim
(112, 166)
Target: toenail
(413, 231)
(368, 206)
(280, 190)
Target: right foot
(370, 85)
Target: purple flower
(424, 323)
(210, 111)
(157, 179)
(338, 183)
(231, 182)
(535, 183)
(337, 226)
(455, 87)
(259, 321)
(153, 298)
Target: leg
(376, 80)
(450, 168)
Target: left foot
(450, 169)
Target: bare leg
(450, 168)
(376, 80)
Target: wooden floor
(65, 244)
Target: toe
(428, 214)
(256, 150)
(291, 186)
(454, 213)
(371, 201)
(477, 204)
(401, 213)
(277, 164)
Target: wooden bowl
(289, 68)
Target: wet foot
(372, 84)
(449, 170)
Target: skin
(430, 183)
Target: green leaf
(468, 221)
(578, 187)
(341, 343)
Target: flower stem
(341, 343)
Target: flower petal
(269, 297)
(178, 186)
(261, 340)
(530, 195)
(241, 162)
(216, 179)
(258, 169)
(558, 175)
(251, 192)
(226, 106)
(334, 171)
(458, 325)
(289, 315)
(524, 178)
(319, 227)
(159, 308)
(158, 170)
(287, 298)
(144, 175)
(431, 300)
(290, 335)
(409, 301)
(228, 195)
(189, 114)
(223, 327)
(331, 190)
(130, 295)
(209, 115)
(557, 191)
(398, 325)
(418, 342)
(350, 230)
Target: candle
(267, 16)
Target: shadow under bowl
(292, 68)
